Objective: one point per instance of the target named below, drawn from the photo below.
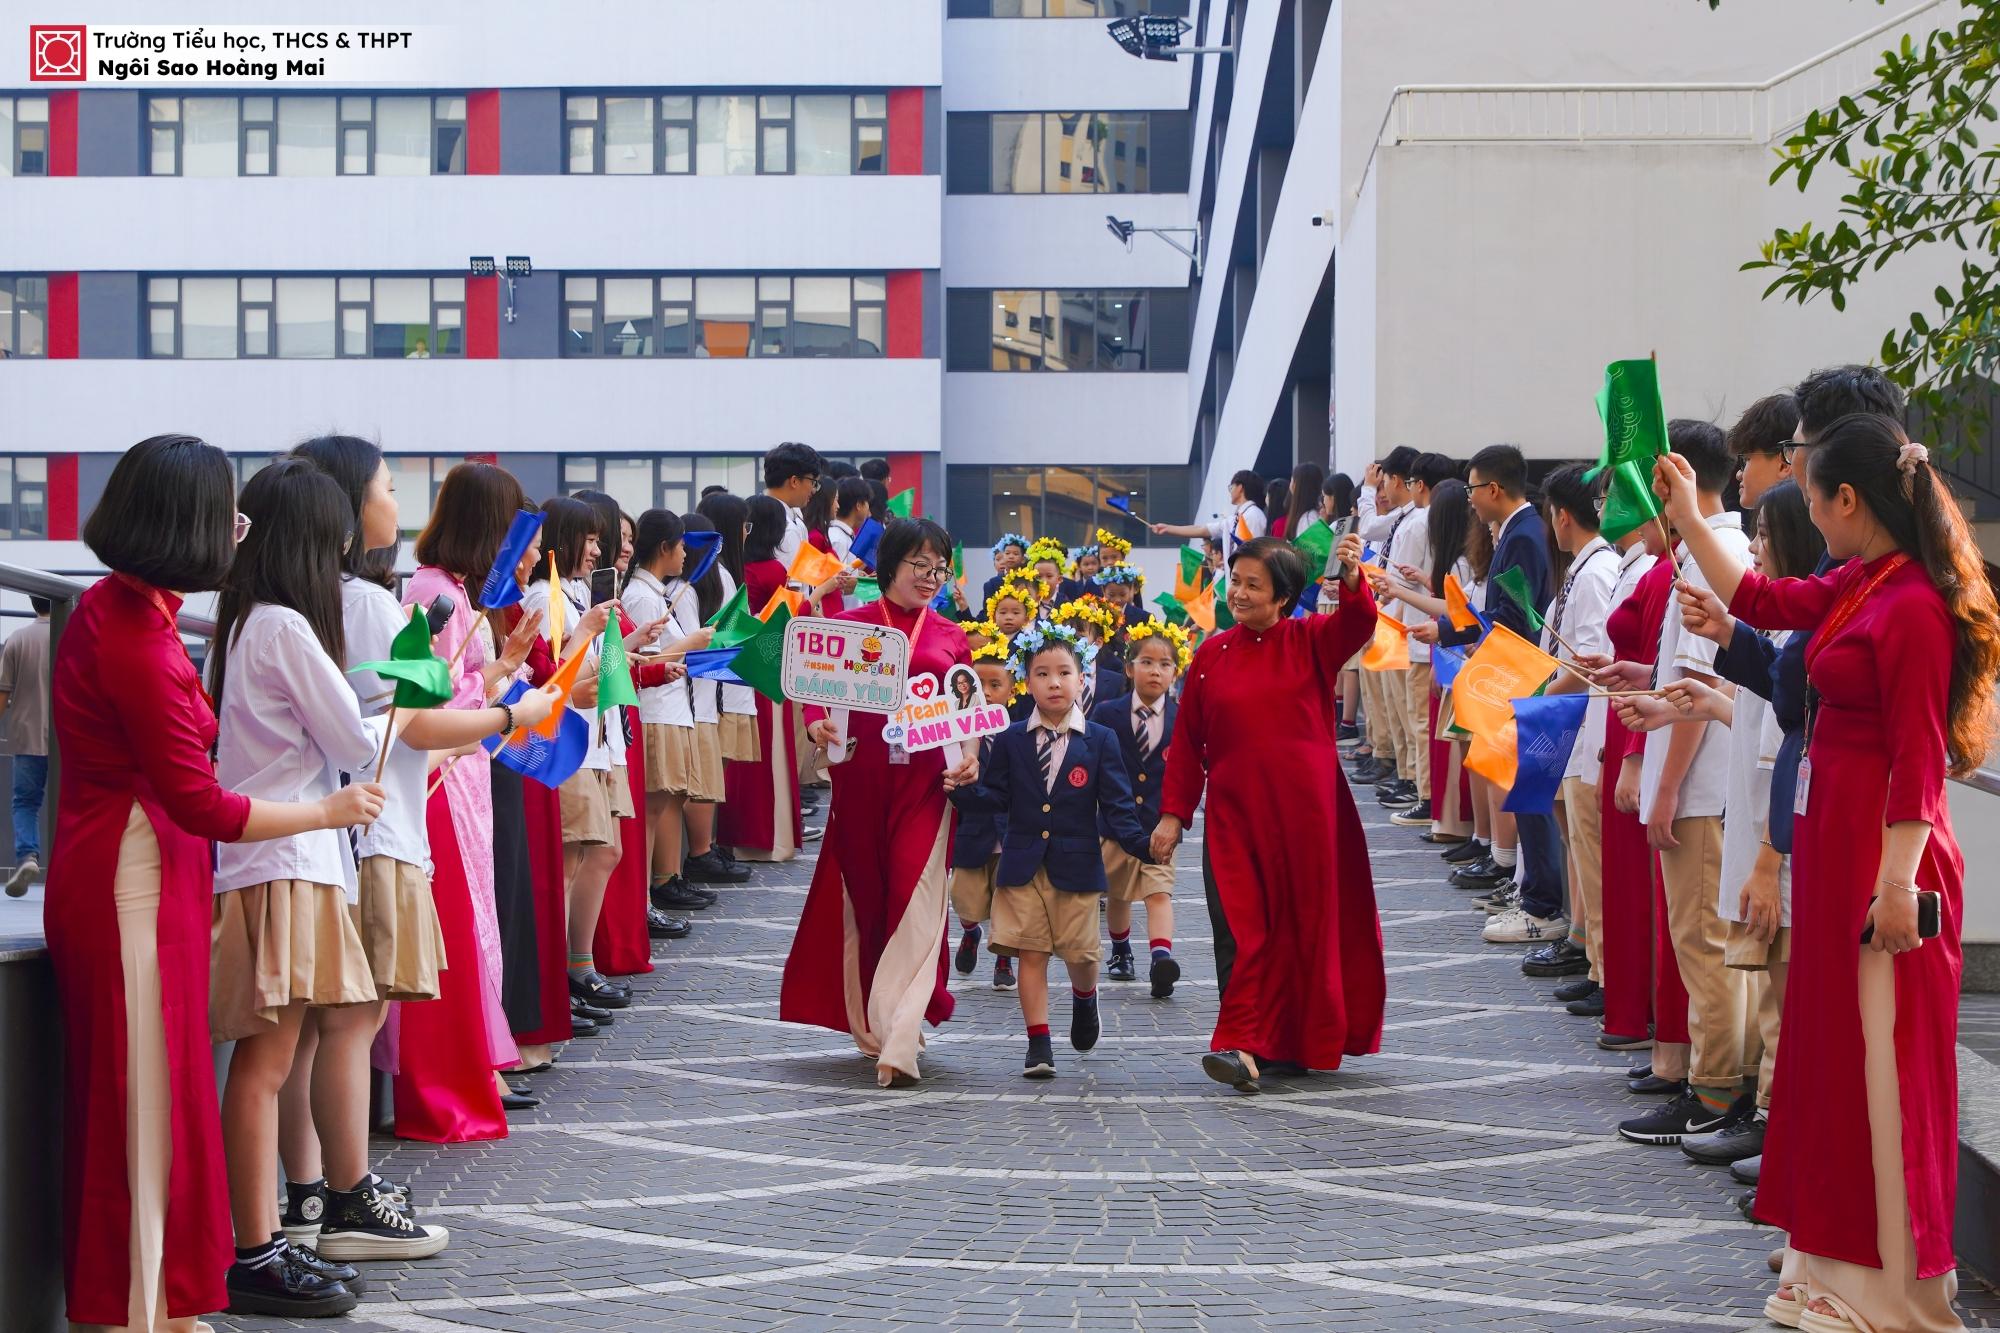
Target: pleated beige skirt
(277, 943)
(669, 759)
(705, 780)
(399, 929)
(739, 738)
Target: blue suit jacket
(1115, 715)
(1523, 546)
(977, 838)
(1779, 674)
(1057, 829)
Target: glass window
(869, 333)
(165, 152)
(824, 310)
(1121, 331)
(256, 152)
(208, 136)
(725, 136)
(725, 309)
(260, 108)
(628, 317)
(825, 135)
(402, 318)
(305, 144)
(354, 289)
(677, 144)
(1017, 153)
(163, 289)
(676, 106)
(7, 136)
(354, 330)
(305, 315)
(1121, 140)
(354, 151)
(402, 136)
(580, 326)
(208, 318)
(1016, 493)
(579, 289)
(1019, 323)
(582, 149)
(448, 289)
(581, 108)
(629, 481)
(450, 329)
(676, 329)
(448, 136)
(871, 106)
(1075, 332)
(163, 109)
(412, 480)
(628, 136)
(1069, 508)
(256, 331)
(160, 331)
(259, 289)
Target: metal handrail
(64, 591)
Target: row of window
(725, 315)
(24, 136)
(1076, 330)
(24, 316)
(727, 134)
(1068, 152)
(209, 319)
(1062, 9)
(1067, 503)
(299, 135)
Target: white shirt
(684, 604)
(662, 705)
(1705, 788)
(535, 597)
(1412, 547)
(1754, 735)
(841, 538)
(288, 727)
(1059, 747)
(795, 536)
(1633, 563)
(373, 619)
(1374, 526)
(1155, 726)
(1223, 530)
(1586, 601)
(740, 700)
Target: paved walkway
(708, 1168)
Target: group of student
(383, 893)
(1749, 872)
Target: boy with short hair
(975, 845)
(1143, 721)
(1053, 774)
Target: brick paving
(708, 1168)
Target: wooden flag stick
(388, 736)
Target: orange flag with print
(1243, 529)
(1457, 605)
(1494, 758)
(565, 681)
(1200, 609)
(785, 597)
(1391, 649)
(812, 567)
(1504, 667)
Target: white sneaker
(24, 874)
(1515, 926)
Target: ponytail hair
(1908, 497)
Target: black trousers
(1225, 942)
(514, 902)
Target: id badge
(1804, 788)
(897, 754)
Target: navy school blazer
(1116, 717)
(979, 833)
(1057, 830)
(1524, 546)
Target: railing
(1740, 113)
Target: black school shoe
(1121, 967)
(675, 894)
(1083, 1023)
(1580, 989)
(1466, 853)
(286, 1287)
(346, 1274)
(1564, 958)
(967, 956)
(590, 1013)
(1041, 1061)
(1486, 874)
(1686, 1114)
(1164, 973)
(1590, 1006)
(666, 926)
(711, 868)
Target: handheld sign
(845, 664)
(936, 715)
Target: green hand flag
(1223, 620)
(734, 621)
(1188, 578)
(1515, 584)
(422, 678)
(1170, 610)
(1634, 416)
(760, 659)
(1629, 502)
(902, 503)
(614, 673)
(1315, 542)
(867, 588)
(958, 562)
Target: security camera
(1319, 219)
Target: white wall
(376, 223)
(1045, 417)
(1052, 65)
(438, 406)
(1355, 304)
(1061, 240)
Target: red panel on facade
(62, 497)
(63, 338)
(482, 132)
(483, 458)
(482, 318)
(906, 131)
(906, 473)
(905, 315)
(62, 133)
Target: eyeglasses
(928, 573)
(242, 528)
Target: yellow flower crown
(1113, 548)
(998, 650)
(1048, 548)
(985, 629)
(1088, 610)
(1023, 588)
(1175, 636)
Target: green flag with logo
(614, 673)
(734, 621)
(1634, 415)
(760, 659)
(1629, 502)
(422, 679)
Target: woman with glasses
(869, 957)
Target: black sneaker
(1121, 966)
(283, 1286)
(1590, 1006)
(1747, 1170)
(1465, 853)
(1619, 1041)
(1346, 731)
(675, 894)
(366, 1224)
(1740, 1135)
(304, 1211)
(1397, 792)
(1652, 1086)
(967, 956)
(1083, 1024)
(1580, 989)
(1373, 771)
(711, 868)
(1165, 973)
(346, 1274)
(665, 925)
(1564, 958)
(1684, 1115)
(1485, 873)
(1041, 1061)
(1003, 974)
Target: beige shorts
(739, 738)
(399, 928)
(592, 800)
(705, 779)
(669, 759)
(276, 943)
(1743, 950)
(1131, 879)
(972, 890)
(1038, 917)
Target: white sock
(1505, 857)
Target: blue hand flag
(866, 538)
(703, 550)
(500, 588)
(714, 664)
(1445, 663)
(1545, 731)
(532, 755)
(1120, 503)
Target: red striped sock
(1090, 994)
(1162, 947)
(1038, 1029)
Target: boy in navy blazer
(1143, 722)
(975, 844)
(1052, 775)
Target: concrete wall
(1066, 419)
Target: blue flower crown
(1119, 572)
(1007, 540)
(1031, 639)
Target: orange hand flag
(1457, 605)
(558, 604)
(782, 596)
(1391, 649)
(565, 681)
(812, 567)
(1494, 758)
(1504, 667)
(1200, 609)
(1243, 529)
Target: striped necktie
(1045, 743)
(1145, 733)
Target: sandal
(1228, 1067)
(1812, 1321)
(1783, 1306)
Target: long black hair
(728, 513)
(1450, 520)
(567, 523)
(708, 588)
(767, 528)
(610, 527)
(1792, 545)
(1307, 478)
(300, 522)
(353, 462)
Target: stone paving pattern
(706, 1167)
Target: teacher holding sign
(869, 957)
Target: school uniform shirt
(1754, 738)
(841, 538)
(1375, 525)
(1223, 530)
(796, 535)
(576, 594)
(1521, 543)
(1145, 765)
(289, 726)
(1633, 563)
(662, 705)
(1706, 786)
(1581, 608)
(738, 699)
(1412, 546)
(372, 619)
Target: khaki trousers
(1692, 873)
(1395, 723)
(1586, 870)
(1372, 709)
(1416, 704)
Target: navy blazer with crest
(1115, 715)
(977, 838)
(1057, 830)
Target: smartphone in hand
(603, 585)
(1928, 918)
